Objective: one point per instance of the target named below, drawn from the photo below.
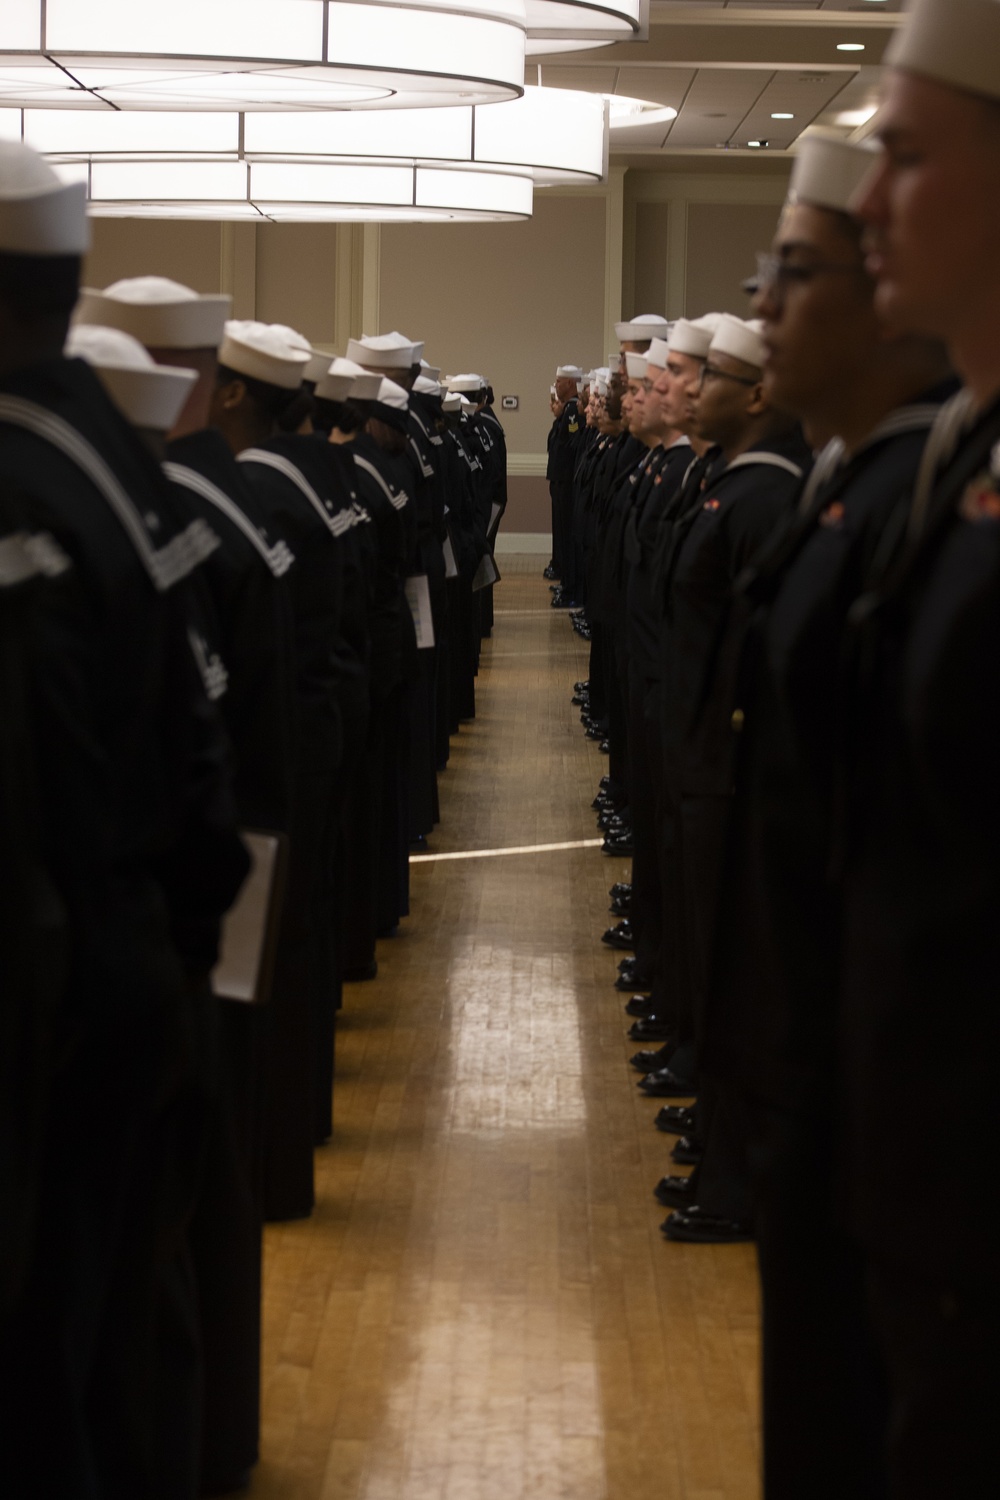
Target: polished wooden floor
(482, 1306)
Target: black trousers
(645, 761)
(100, 1362)
(938, 1338)
(823, 1381)
(302, 973)
(561, 491)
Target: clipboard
(245, 969)
(418, 597)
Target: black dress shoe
(666, 1084)
(581, 700)
(675, 1119)
(640, 1006)
(620, 908)
(604, 783)
(660, 1058)
(549, 572)
(361, 973)
(632, 981)
(675, 1192)
(583, 686)
(595, 732)
(555, 588)
(694, 1227)
(563, 601)
(653, 1028)
(604, 748)
(647, 1061)
(620, 848)
(687, 1151)
(620, 936)
(628, 966)
(621, 888)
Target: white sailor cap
(388, 351)
(160, 313)
(150, 395)
(645, 326)
(602, 378)
(657, 353)
(262, 351)
(569, 372)
(430, 372)
(452, 401)
(319, 363)
(392, 403)
(467, 382)
(692, 337)
(954, 42)
(740, 340)
(828, 170)
(426, 386)
(636, 364)
(365, 387)
(39, 213)
(340, 376)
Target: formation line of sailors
(782, 536)
(243, 586)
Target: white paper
(486, 573)
(495, 512)
(237, 975)
(418, 597)
(450, 565)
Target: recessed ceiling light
(782, 117)
(850, 46)
(856, 117)
(755, 144)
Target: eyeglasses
(775, 275)
(712, 372)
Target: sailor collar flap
(165, 562)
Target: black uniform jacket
(919, 1017)
(616, 457)
(428, 492)
(643, 609)
(732, 515)
(564, 437)
(620, 498)
(779, 950)
(138, 821)
(246, 579)
(306, 518)
(393, 520)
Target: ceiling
(728, 67)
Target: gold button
(738, 720)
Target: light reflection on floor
(514, 1043)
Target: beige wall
(296, 278)
(690, 239)
(512, 300)
(509, 300)
(186, 252)
(723, 240)
(648, 270)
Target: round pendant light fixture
(303, 192)
(573, 25)
(455, 163)
(259, 54)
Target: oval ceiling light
(556, 135)
(574, 25)
(625, 112)
(303, 192)
(259, 54)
